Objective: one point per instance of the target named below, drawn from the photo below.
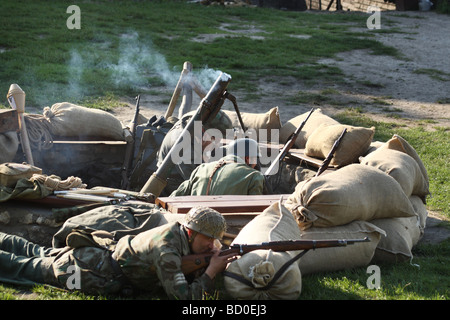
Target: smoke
(131, 66)
(75, 70)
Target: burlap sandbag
(257, 121)
(401, 167)
(400, 144)
(340, 258)
(259, 267)
(421, 211)
(355, 143)
(9, 144)
(11, 172)
(70, 120)
(316, 119)
(354, 192)
(402, 234)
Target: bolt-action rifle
(330, 155)
(289, 144)
(129, 152)
(193, 262)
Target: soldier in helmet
(183, 170)
(232, 175)
(149, 261)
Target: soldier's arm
(174, 281)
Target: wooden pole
(16, 98)
(187, 67)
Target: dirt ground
(414, 87)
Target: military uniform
(229, 175)
(148, 261)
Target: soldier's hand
(218, 263)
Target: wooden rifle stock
(193, 262)
(289, 144)
(129, 152)
(330, 155)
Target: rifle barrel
(193, 262)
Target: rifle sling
(277, 275)
(219, 165)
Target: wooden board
(221, 203)
(8, 121)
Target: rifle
(193, 262)
(330, 155)
(206, 111)
(286, 147)
(129, 152)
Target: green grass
(126, 46)
(129, 47)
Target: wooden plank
(8, 121)
(221, 203)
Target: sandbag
(340, 258)
(421, 211)
(355, 143)
(402, 234)
(9, 144)
(402, 167)
(70, 120)
(11, 172)
(354, 192)
(256, 121)
(316, 119)
(259, 267)
(400, 144)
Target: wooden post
(16, 98)
(187, 67)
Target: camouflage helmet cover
(206, 221)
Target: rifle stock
(330, 155)
(289, 144)
(193, 262)
(129, 152)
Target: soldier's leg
(23, 270)
(22, 247)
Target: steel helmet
(206, 221)
(221, 121)
(244, 147)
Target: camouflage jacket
(233, 178)
(152, 259)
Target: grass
(125, 47)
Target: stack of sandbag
(354, 192)
(398, 159)
(343, 204)
(341, 258)
(70, 120)
(316, 119)
(254, 122)
(259, 267)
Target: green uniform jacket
(235, 177)
(152, 259)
